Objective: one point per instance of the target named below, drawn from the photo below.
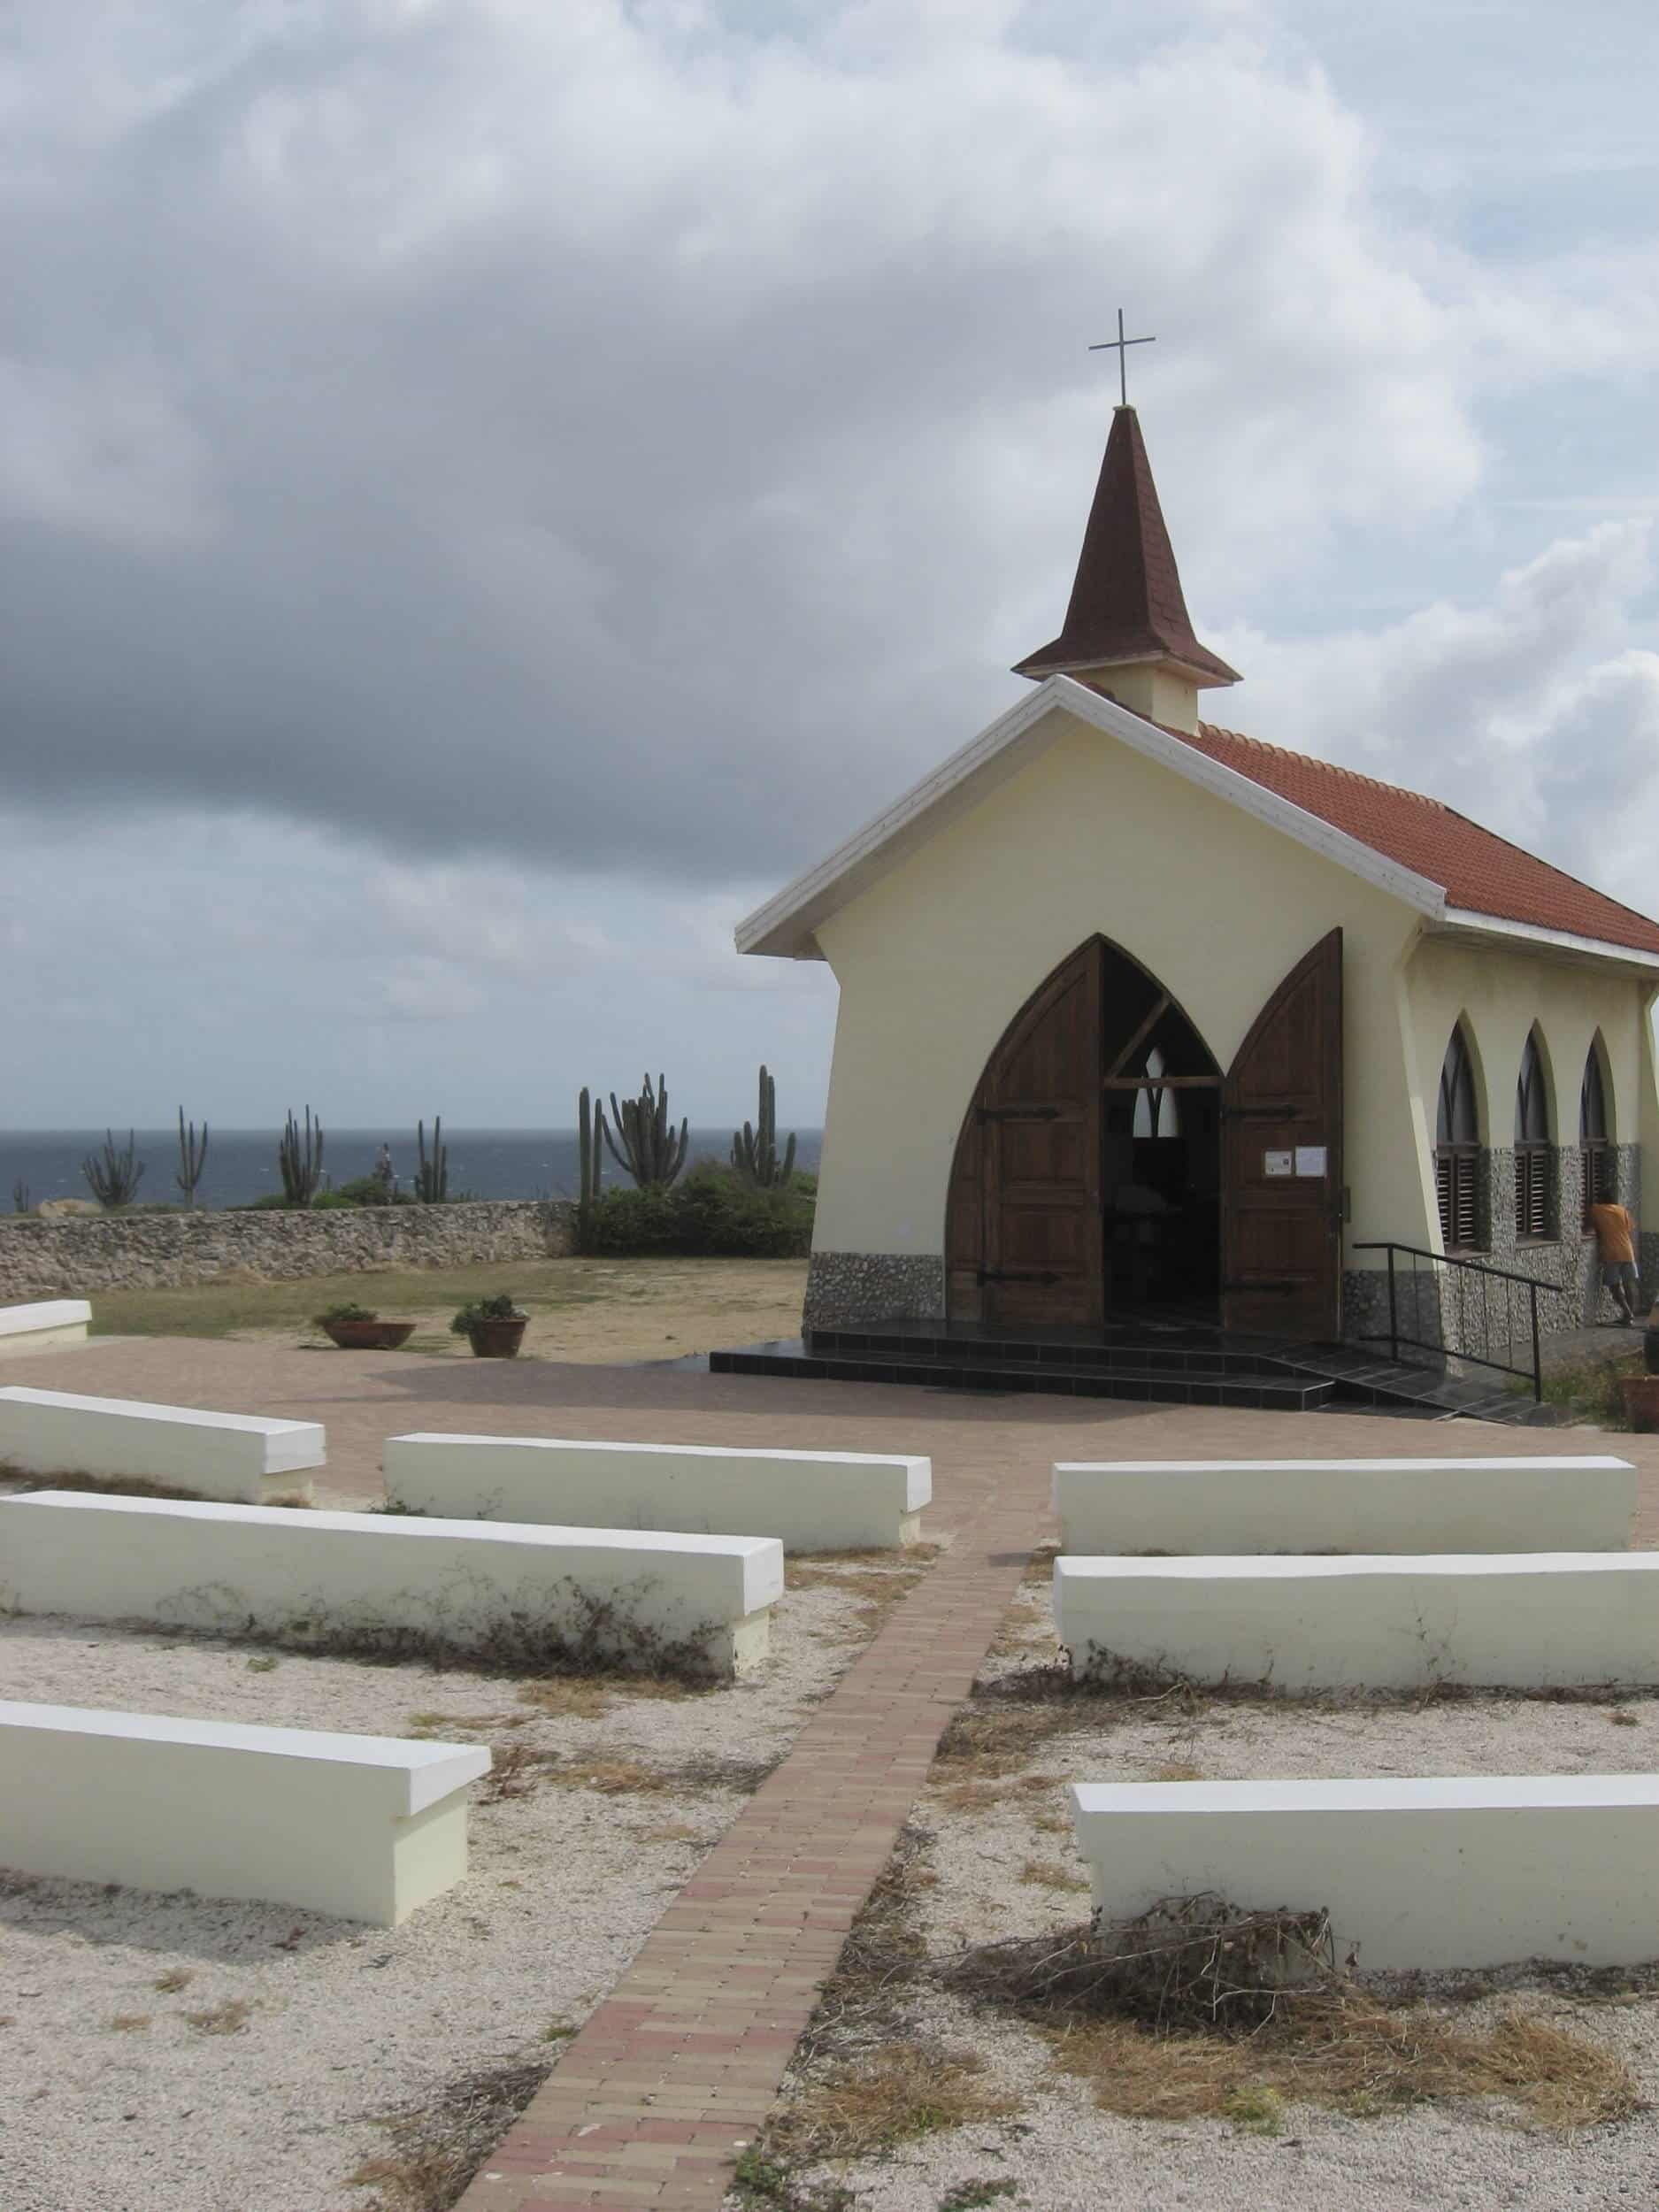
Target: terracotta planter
(496, 1339)
(1641, 1403)
(1650, 1343)
(368, 1336)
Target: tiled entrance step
(1151, 1363)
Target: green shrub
(498, 1308)
(361, 1190)
(348, 1309)
(720, 1214)
(632, 1222)
(710, 1213)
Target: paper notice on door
(1311, 1159)
(1277, 1163)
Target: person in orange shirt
(1616, 1242)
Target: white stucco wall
(936, 959)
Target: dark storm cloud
(472, 429)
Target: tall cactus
(302, 1166)
(651, 1150)
(755, 1148)
(590, 1130)
(192, 1158)
(431, 1176)
(113, 1176)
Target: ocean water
(242, 1164)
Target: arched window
(1158, 1112)
(1457, 1146)
(1595, 1138)
(1532, 1146)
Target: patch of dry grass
(104, 1485)
(863, 2105)
(127, 2022)
(518, 1768)
(1198, 2010)
(176, 1977)
(1346, 2051)
(436, 2146)
(879, 1585)
(982, 1796)
(590, 1696)
(229, 2017)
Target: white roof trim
(784, 926)
(1457, 918)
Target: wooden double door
(1107, 1162)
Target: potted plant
(359, 1329)
(494, 1326)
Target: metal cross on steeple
(1121, 346)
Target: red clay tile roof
(1126, 601)
(1477, 872)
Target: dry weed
(1178, 1771)
(439, 2144)
(125, 2023)
(462, 1724)
(229, 2017)
(513, 1772)
(175, 1977)
(1050, 1874)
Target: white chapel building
(1139, 1015)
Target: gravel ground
(179, 2054)
(1002, 1862)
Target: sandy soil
(624, 1311)
(1001, 1860)
(181, 2054)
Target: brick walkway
(652, 2101)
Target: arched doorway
(1106, 1165)
(1088, 1176)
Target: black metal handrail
(1397, 1336)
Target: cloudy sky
(489, 489)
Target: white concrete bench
(365, 1826)
(1231, 1506)
(810, 1501)
(38, 1327)
(1520, 1620)
(385, 1583)
(1474, 1871)
(240, 1456)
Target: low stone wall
(81, 1257)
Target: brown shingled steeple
(1127, 632)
